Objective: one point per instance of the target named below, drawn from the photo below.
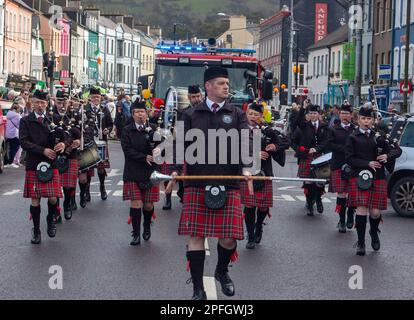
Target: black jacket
(136, 145)
(35, 138)
(361, 150)
(94, 122)
(228, 117)
(309, 138)
(337, 142)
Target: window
(377, 17)
(369, 15)
(397, 13)
(384, 15)
(339, 61)
(322, 66)
(369, 46)
(326, 64)
(120, 47)
(402, 62)
(314, 66)
(333, 62)
(301, 74)
(410, 63)
(407, 139)
(404, 13)
(389, 12)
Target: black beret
(346, 107)
(215, 72)
(194, 89)
(313, 108)
(94, 91)
(366, 112)
(138, 105)
(41, 95)
(256, 107)
(62, 95)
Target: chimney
(129, 21)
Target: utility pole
(407, 53)
(289, 93)
(358, 58)
(175, 29)
(297, 60)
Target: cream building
(238, 35)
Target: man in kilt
(42, 177)
(199, 218)
(368, 154)
(312, 143)
(262, 200)
(69, 123)
(138, 147)
(98, 125)
(339, 182)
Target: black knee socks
(147, 216)
(341, 209)
(250, 220)
(261, 216)
(52, 211)
(35, 212)
(224, 256)
(361, 225)
(135, 214)
(196, 260)
(102, 178)
(374, 223)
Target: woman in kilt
(262, 199)
(42, 178)
(139, 154)
(200, 218)
(339, 182)
(312, 143)
(369, 153)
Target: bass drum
(320, 166)
(88, 157)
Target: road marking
(13, 192)
(114, 173)
(120, 183)
(118, 193)
(210, 287)
(301, 198)
(287, 197)
(286, 188)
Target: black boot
(82, 195)
(250, 219)
(102, 176)
(36, 237)
(51, 227)
(67, 207)
(361, 225)
(135, 215)
(88, 190)
(146, 235)
(319, 191)
(196, 261)
(167, 204)
(222, 272)
(341, 209)
(375, 241)
(261, 216)
(309, 191)
(350, 217)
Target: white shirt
(364, 131)
(345, 126)
(39, 116)
(210, 104)
(139, 126)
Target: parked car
(401, 181)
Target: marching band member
(368, 154)
(42, 177)
(339, 182)
(138, 150)
(262, 199)
(67, 121)
(200, 218)
(99, 124)
(312, 143)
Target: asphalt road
(300, 257)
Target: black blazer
(337, 142)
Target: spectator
(126, 107)
(293, 118)
(11, 95)
(12, 130)
(25, 95)
(334, 116)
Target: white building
(3, 74)
(107, 47)
(318, 73)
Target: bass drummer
(97, 126)
(312, 142)
(339, 182)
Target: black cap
(194, 89)
(138, 105)
(313, 108)
(62, 95)
(215, 72)
(41, 95)
(366, 112)
(256, 107)
(94, 90)
(346, 107)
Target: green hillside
(199, 16)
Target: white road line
(10, 193)
(326, 200)
(210, 287)
(118, 193)
(206, 247)
(114, 173)
(286, 197)
(286, 188)
(301, 198)
(120, 183)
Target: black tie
(215, 107)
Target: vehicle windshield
(183, 76)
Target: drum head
(322, 159)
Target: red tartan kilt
(337, 184)
(34, 189)
(69, 178)
(131, 192)
(304, 170)
(199, 221)
(260, 199)
(374, 198)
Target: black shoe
(341, 227)
(82, 201)
(36, 237)
(319, 205)
(309, 209)
(167, 203)
(375, 241)
(258, 233)
(360, 249)
(87, 196)
(51, 228)
(251, 244)
(199, 294)
(136, 239)
(146, 235)
(67, 211)
(227, 285)
(104, 195)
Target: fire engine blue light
(188, 48)
(204, 49)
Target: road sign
(407, 89)
(384, 72)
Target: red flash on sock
(188, 266)
(129, 220)
(338, 208)
(154, 216)
(234, 256)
